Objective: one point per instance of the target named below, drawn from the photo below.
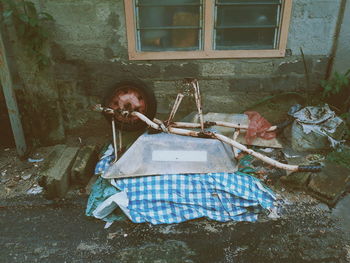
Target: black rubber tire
(148, 98)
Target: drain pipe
(336, 38)
(11, 102)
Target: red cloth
(258, 127)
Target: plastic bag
(258, 127)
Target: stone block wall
(89, 50)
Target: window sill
(212, 54)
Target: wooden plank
(11, 102)
(130, 27)
(167, 55)
(286, 16)
(208, 24)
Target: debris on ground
(26, 177)
(35, 190)
(35, 160)
(19, 176)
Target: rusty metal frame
(173, 128)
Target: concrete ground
(37, 230)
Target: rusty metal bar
(114, 140)
(176, 105)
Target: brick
(217, 69)
(181, 71)
(255, 67)
(293, 66)
(266, 84)
(56, 171)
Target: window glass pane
(168, 16)
(246, 24)
(169, 40)
(169, 25)
(245, 39)
(247, 15)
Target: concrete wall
(36, 93)
(342, 60)
(89, 49)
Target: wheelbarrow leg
(114, 140)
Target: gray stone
(329, 184)
(55, 173)
(83, 167)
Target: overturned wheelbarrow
(123, 110)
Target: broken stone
(329, 184)
(56, 171)
(84, 164)
(296, 180)
(90, 184)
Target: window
(189, 29)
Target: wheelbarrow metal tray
(162, 153)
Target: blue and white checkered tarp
(174, 198)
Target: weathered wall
(36, 93)
(89, 48)
(342, 60)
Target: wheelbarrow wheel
(130, 95)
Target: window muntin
(171, 25)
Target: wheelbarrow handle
(310, 168)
